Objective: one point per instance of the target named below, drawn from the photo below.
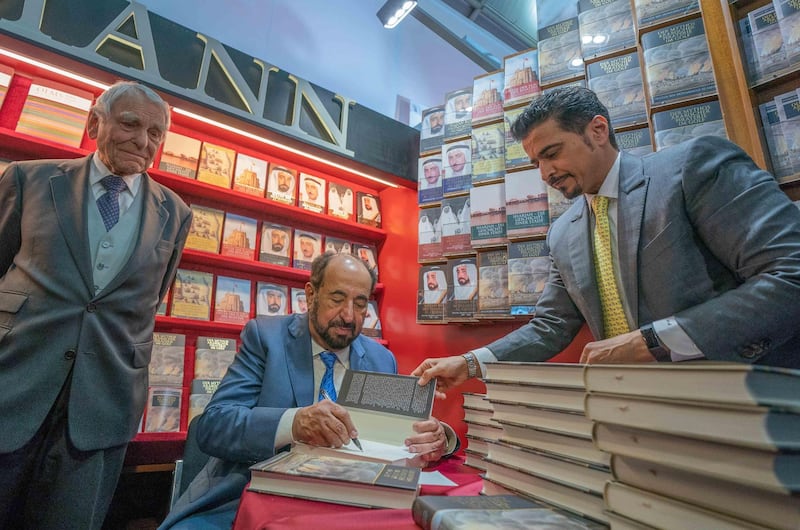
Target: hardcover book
(369, 209)
(682, 123)
(493, 283)
(462, 300)
(372, 322)
(340, 201)
(455, 226)
(429, 177)
(617, 81)
(271, 299)
(515, 154)
(6, 73)
(605, 26)
(299, 301)
(651, 11)
(369, 255)
(547, 396)
(307, 246)
(432, 130)
(55, 112)
(528, 269)
(442, 512)
(216, 165)
(677, 63)
(312, 193)
(239, 236)
(337, 480)
(456, 166)
(458, 113)
(282, 184)
(338, 245)
(206, 231)
(432, 294)
(488, 215)
(180, 155)
(487, 97)
(191, 294)
(560, 51)
(788, 13)
(232, 302)
(251, 175)
(429, 232)
(770, 52)
(276, 242)
(636, 142)
(163, 410)
(520, 77)
(212, 357)
(488, 152)
(560, 444)
(568, 423)
(527, 213)
(166, 360)
(564, 375)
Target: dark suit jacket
(272, 372)
(50, 319)
(703, 235)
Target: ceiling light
(393, 11)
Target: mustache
(341, 324)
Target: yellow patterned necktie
(614, 321)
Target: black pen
(354, 440)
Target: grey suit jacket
(51, 321)
(703, 235)
(272, 372)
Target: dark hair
(321, 262)
(571, 107)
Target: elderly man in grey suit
(88, 248)
(700, 248)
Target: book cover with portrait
(282, 184)
(206, 231)
(250, 175)
(488, 215)
(462, 278)
(306, 247)
(456, 166)
(487, 97)
(276, 244)
(527, 213)
(488, 152)
(454, 220)
(605, 26)
(299, 301)
(341, 200)
(312, 190)
(166, 360)
(431, 130)
(458, 114)
(493, 283)
(239, 236)
(369, 209)
(520, 77)
(429, 177)
(432, 293)
(338, 245)
(216, 165)
(429, 235)
(272, 299)
(232, 300)
(368, 254)
(191, 294)
(618, 83)
(528, 269)
(180, 155)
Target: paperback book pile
(545, 450)
(699, 445)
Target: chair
(189, 466)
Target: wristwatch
(472, 365)
(658, 350)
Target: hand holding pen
(354, 440)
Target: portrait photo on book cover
(281, 184)
(307, 246)
(299, 301)
(458, 159)
(275, 240)
(432, 122)
(340, 201)
(271, 299)
(465, 282)
(434, 285)
(312, 193)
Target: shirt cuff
(672, 335)
(283, 435)
(484, 355)
(453, 442)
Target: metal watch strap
(654, 345)
(472, 365)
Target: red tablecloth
(260, 511)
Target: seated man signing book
(270, 396)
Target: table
(261, 511)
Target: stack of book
(699, 445)
(545, 450)
(481, 429)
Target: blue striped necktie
(326, 386)
(108, 203)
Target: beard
(463, 281)
(277, 247)
(334, 342)
(273, 308)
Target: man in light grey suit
(705, 248)
(79, 291)
(269, 397)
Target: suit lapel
(581, 258)
(632, 192)
(299, 360)
(70, 191)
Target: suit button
(91, 307)
(69, 355)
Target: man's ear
(92, 124)
(599, 129)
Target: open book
(383, 408)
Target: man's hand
(325, 424)
(429, 440)
(626, 348)
(448, 371)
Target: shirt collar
(610, 186)
(342, 354)
(98, 171)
